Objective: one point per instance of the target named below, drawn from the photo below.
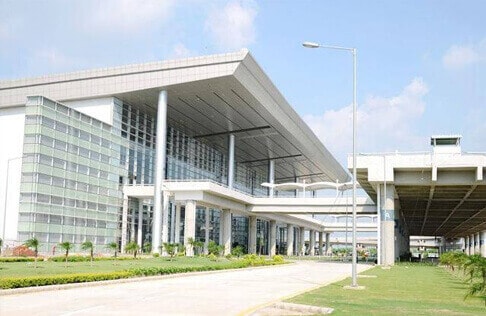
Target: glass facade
(70, 177)
(75, 166)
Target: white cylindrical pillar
(312, 242)
(273, 238)
(189, 226)
(231, 160)
(328, 243)
(140, 223)
(225, 232)
(302, 241)
(206, 230)
(467, 250)
(252, 234)
(177, 228)
(124, 227)
(290, 240)
(172, 224)
(160, 153)
(271, 176)
(482, 243)
(321, 243)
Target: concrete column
(172, 224)
(312, 243)
(477, 247)
(388, 225)
(472, 245)
(231, 160)
(321, 243)
(132, 225)
(482, 242)
(189, 226)
(206, 230)
(290, 240)
(273, 238)
(225, 226)
(302, 241)
(328, 242)
(124, 227)
(252, 234)
(271, 175)
(165, 218)
(140, 223)
(177, 228)
(160, 153)
(466, 245)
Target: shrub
(254, 260)
(16, 259)
(212, 257)
(156, 255)
(278, 259)
(23, 251)
(18, 282)
(215, 249)
(238, 251)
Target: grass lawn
(402, 290)
(22, 269)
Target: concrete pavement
(224, 293)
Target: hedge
(18, 282)
(19, 259)
(86, 258)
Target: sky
(421, 64)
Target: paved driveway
(224, 293)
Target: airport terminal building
(160, 152)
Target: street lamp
(353, 51)
(6, 193)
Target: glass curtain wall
(70, 176)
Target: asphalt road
(223, 293)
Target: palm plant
(88, 245)
(33, 244)
(113, 246)
(171, 249)
(132, 247)
(66, 245)
(475, 266)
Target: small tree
(238, 251)
(66, 245)
(113, 246)
(171, 249)
(215, 249)
(132, 247)
(147, 247)
(33, 244)
(88, 245)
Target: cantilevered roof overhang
(208, 98)
(438, 194)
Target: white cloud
(181, 51)
(127, 15)
(457, 56)
(232, 27)
(384, 124)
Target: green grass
(402, 290)
(25, 269)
